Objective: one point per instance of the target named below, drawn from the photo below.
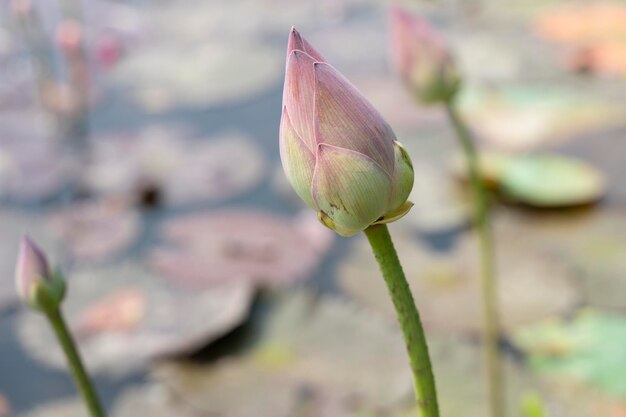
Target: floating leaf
(153, 401)
(327, 358)
(224, 167)
(204, 249)
(212, 73)
(588, 349)
(552, 181)
(179, 168)
(63, 408)
(122, 317)
(493, 166)
(94, 230)
(532, 284)
(317, 354)
(526, 117)
(32, 165)
(439, 203)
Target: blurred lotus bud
(21, 7)
(422, 59)
(35, 283)
(338, 153)
(108, 51)
(69, 36)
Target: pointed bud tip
(31, 268)
(297, 42)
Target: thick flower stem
(81, 378)
(487, 262)
(408, 316)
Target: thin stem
(487, 262)
(83, 382)
(408, 316)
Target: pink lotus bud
(69, 36)
(338, 153)
(422, 59)
(35, 283)
(108, 50)
(21, 7)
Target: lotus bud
(337, 152)
(35, 283)
(422, 58)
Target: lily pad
(493, 166)
(123, 316)
(552, 181)
(32, 165)
(454, 360)
(527, 117)
(153, 401)
(201, 250)
(440, 204)
(180, 168)
(446, 287)
(317, 354)
(169, 75)
(222, 168)
(588, 349)
(327, 358)
(95, 230)
(64, 408)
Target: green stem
(83, 382)
(408, 316)
(487, 262)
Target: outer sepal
(48, 295)
(297, 160)
(349, 189)
(403, 177)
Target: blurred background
(139, 147)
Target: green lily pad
(493, 166)
(589, 349)
(552, 181)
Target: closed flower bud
(35, 283)
(338, 153)
(422, 59)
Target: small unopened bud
(422, 58)
(21, 7)
(69, 36)
(35, 283)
